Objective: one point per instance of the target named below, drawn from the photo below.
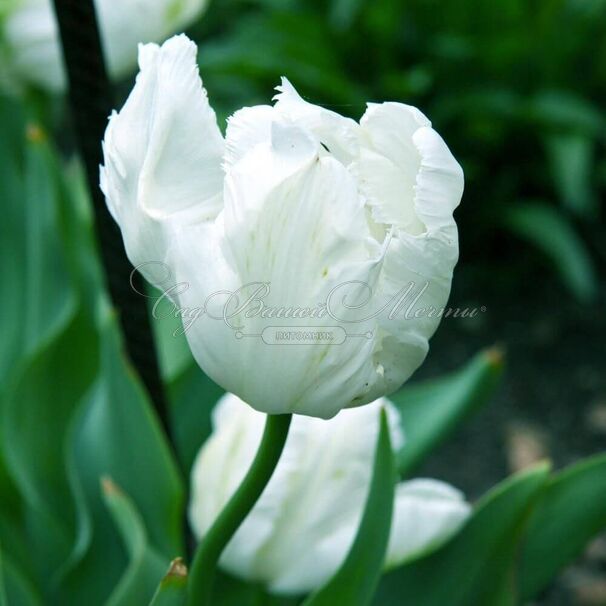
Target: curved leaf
(146, 566)
(571, 512)
(38, 408)
(116, 433)
(355, 582)
(15, 588)
(477, 565)
(172, 590)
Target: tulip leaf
(48, 356)
(116, 433)
(548, 229)
(38, 408)
(49, 295)
(432, 410)
(571, 512)
(12, 253)
(146, 565)
(477, 565)
(37, 297)
(15, 588)
(357, 578)
(172, 590)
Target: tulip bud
(30, 36)
(302, 527)
(317, 252)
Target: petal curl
(406, 171)
(162, 152)
(338, 134)
(412, 184)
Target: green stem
(209, 550)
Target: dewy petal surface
(162, 153)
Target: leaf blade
(572, 511)
(355, 582)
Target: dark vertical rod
(91, 100)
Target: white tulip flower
(30, 35)
(309, 256)
(301, 529)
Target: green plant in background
(69, 537)
(92, 492)
(510, 83)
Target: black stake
(91, 100)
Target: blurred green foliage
(516, 87)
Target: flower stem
(209, 550)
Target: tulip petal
(339, 135)
(407, 172)
(426, 514)
(162, 152)
(293, 219)
(412, 184)
(246, 129)
(302, 527)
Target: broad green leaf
(38, 298)
(48, 358)
(15, 588)
(432, 410)
(549, 230)
(49, 293)
(355, 582)
(116, 433)
(12, 536)
(571, 512)
(3, 596)
(172, 590)
(193, 396)
(12, 251)
(477, 565)
(37, 412)
(145, 566)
